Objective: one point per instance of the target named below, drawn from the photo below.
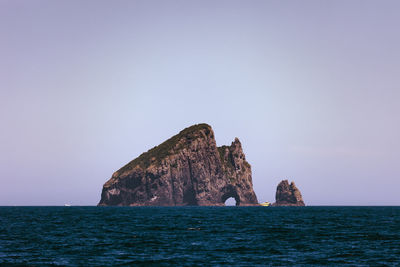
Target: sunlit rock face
(288, 195)
(187, 169)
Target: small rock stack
(288, 195)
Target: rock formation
(288, 195)
(187, 169)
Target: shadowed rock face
(187, 169)
(288, 195)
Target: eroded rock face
(288, 195)
(187, 169)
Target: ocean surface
(198, 236)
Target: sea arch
(230, 192)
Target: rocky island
(288, 195)
(187, 169)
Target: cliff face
(288, 195)
(187, 169)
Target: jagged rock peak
(187, 169)
(288, 195)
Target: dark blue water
(188, 236)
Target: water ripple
(187, 236)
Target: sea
(199, 236)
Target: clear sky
(311, 88)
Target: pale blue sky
(311, 88)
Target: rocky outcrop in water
(187, 169)
(288, 195)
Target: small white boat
(67, 205)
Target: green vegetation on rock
(229, 163)
(157, 153)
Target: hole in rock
(230, 202)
